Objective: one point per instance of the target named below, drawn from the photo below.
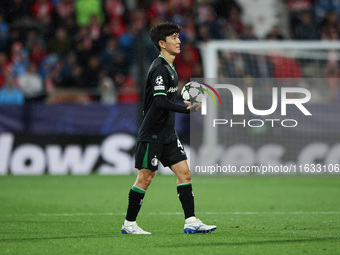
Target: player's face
(173, 43)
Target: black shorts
(149, 154)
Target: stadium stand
(72, 42)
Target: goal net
(272, 109)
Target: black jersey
(158, 123)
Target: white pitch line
(172, 213)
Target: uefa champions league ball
(192, 93)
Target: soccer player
(157, 140)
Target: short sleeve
(159, 81)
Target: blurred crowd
(100, 51)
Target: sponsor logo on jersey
(159, 80)
(172, 90)
(161, 87)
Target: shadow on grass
(175, 245)
(14, 240)
(186, 244)
(39, 222)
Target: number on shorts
(179, 144)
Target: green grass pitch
(84, 214)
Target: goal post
(312, 62)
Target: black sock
(186, 197)
(136, 196)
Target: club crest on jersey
(172, 90)
(172, 77)
(154, 161)
(159, 80)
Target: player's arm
(163, 102)
(160, 87)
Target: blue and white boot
(131, 227)
(193, 225)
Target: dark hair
(161, 31)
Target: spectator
(296, 8)
(91, 72)
(32, 84)
(61, 43)
(117, 27)
(116, 32)
(275, 34)
(48, 26)
(19, 58)
(203, 33)
(186, 62)
(329, 26)
(107, 88)
(65, 9)
(234, 24)
(235, 65)
(46, 68)
(85, 9)
(83, 45)
(4, 33)
(14, 37)
(323, 7)
(75, 79)
(180, 7)
(10, 94)
(128, 92)
(115, 9)
(110, 54)
(37, 54)
(248, 33)
(42, 9)
(332, 81)
(34, 37)
(208, 19)
(258, 66)
(223, 7)
(157, 8)
(94, 28)
(332, 69)
(306, 29)
(17, 8)
(70, 25)
(285, 67)
(68, 63)
(188, 29)
(55, 2)
(4, 68)
(83, 35)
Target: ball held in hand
(192, 93)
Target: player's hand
(194, 107)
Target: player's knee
(186, 176)
(144, 179)
(147, 179)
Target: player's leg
(144, 158)
(144, 178)
(136, 196)
(174, 156)
(137, 193)
(184, 187)
(192, 225)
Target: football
(192, 93)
